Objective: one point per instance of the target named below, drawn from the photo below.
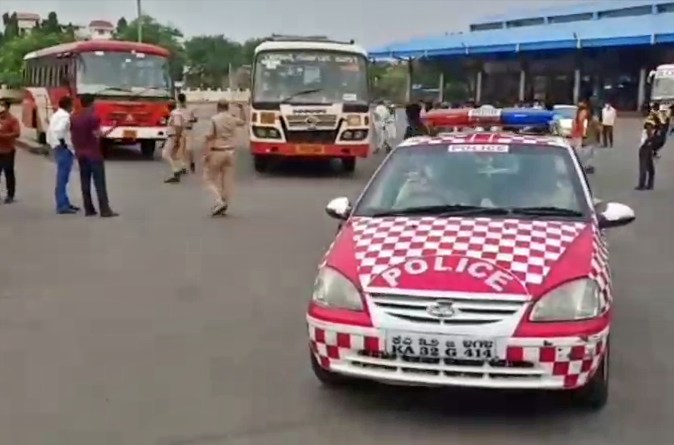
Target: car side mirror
(614, 214)
(339, 208)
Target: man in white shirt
(58, 138)
(608, 116)
(384, 127)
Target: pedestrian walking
(608, 117)
(382, 118)
(578, 133)
(220, 155)
(646, 154)
(86, 134)
(171, 150)
(10, 130)
(59, 139)
(186, 153)
(415, 127)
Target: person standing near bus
(10, 130)
(86, 134)
(220, 155)
(171, 150)
(608, 117)
(58, 138)
(186, 153)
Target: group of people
(219, 152)
(653, 138)
(71, 137)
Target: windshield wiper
(445, 210)
(301, 93)
(544, 211)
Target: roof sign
(478, 148)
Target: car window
(566, 112)
(464, 174)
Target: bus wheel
(260, 163)
(147, 148)
(349, 164)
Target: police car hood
(472, 255)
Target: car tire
(327, 378)
(594, 394)
(349, 164)
(260, 163)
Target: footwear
(9, 200)
(74, 208)
(109, 214)
(66, 212)
(173, 179)
(90, 213)
(639, 187)
(219, 209)
(193, 167)
(183, 171)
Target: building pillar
(523, 85)
(641, 91)
(478, 87)
(441, 87)
(576, 85)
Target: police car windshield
(479, 179)
(306, 77)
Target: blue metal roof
(568, 9)
(624, 31)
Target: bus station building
(602, 49)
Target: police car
(472, 259)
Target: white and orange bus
(131, 83)
(309, 98)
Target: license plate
(129, 134)
(310, 149)
(443, 346)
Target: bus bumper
(135, 133)
(310, 150)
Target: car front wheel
(594, 394)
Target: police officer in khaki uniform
(186, 144)
(219, 155)
(171, 151)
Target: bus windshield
(123, 73)
(663, 88)
(308, 77)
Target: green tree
(13, 51)
(11, 24)
(121, 26)
(166, 36)
(51, 24)
(210, 59)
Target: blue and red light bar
(488, 117)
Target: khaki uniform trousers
(219, 174)
(170, 153)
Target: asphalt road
(167, 327)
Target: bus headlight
(266, 133)
(359, 135)
(572, 301)
(347, 135)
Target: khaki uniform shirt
(223, 130)
(176, 119)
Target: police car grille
(321, 121)
(468, 311)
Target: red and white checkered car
(471, 259)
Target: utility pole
(139, 21)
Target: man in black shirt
(646, 154)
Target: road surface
(167, 327)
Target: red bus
(131, 83)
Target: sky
(371, 23)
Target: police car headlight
(572, 301)
(334, 290)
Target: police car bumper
(135, 133)
(549, 363)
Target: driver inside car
(542, 183)
(427, 185)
